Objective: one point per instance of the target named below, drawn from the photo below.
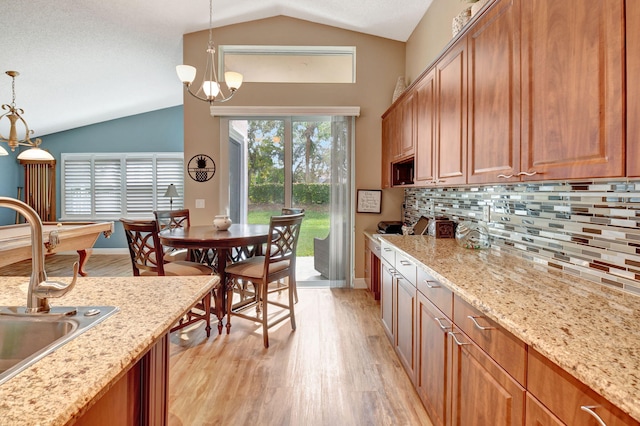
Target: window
(111, 186)
(290, 64)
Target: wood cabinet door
(482, 393)
(407, 123)
(494, 95)
(633, 88)
(433, 370)
(425, 129)
(572, 94)
(386, 151)
(405, 309)
(538, 415)
(451, 107)
(386, 298)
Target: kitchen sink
(27, 338)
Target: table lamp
(171, 192)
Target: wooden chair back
(170, 219)
(282, 244)
(291, 210)
(144, 246)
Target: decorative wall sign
(201, 168)
(369, 200)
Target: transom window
(111, 185)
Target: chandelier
(14, 115)
(210, 89)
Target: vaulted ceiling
(87, 61)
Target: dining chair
(278, 261)
(147, 259)
(292, 210)
(171, 219)
(280, 284)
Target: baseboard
(102, 251)
(359, 283)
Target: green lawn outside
(314, 224)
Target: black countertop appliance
(385, 227)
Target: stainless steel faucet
(40, 290)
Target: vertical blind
(111, 185)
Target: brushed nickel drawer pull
(458, 342)
(442, 326)
(527, 173)
(387, 249)
(405, 263)
(590, 409)
(429, 285)
(480, 327)
(505, 176)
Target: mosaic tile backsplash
(589, 229)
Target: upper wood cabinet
(425, 129)
(494, 95)
(451, 112)
(388, 127)
(405, 147)
(572, 89)
(633, 87)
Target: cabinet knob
(590, 409)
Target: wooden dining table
(218, 248)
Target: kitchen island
(66, 384)
(590, 331)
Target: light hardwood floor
(337, 369)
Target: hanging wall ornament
(201, 168)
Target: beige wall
(431, 35)
(379, 63)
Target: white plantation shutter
(111, 186)
(139, 187)
(107, 186)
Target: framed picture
(369, 200)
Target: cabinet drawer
(388, 254)
(566, 396)
(507, 350)
(374, 246)
(406, 267)
(436, 292)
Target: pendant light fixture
(14, 115)
(210, 90)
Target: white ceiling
(87, 61)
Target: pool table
(15, 240)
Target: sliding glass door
(300, 162)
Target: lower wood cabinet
(433, 369)
(387, 288)
(469, 370)
(571, 401)
(481, 392)
(537, 414)
(140, 397)
(405, 324)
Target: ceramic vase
(221, 222)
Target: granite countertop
(60, 386)
(591, 331)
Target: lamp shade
(186, 73)
(35, 153)
(171, 191)
(233, 79)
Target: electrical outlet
(486, 213)
(200, 203)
